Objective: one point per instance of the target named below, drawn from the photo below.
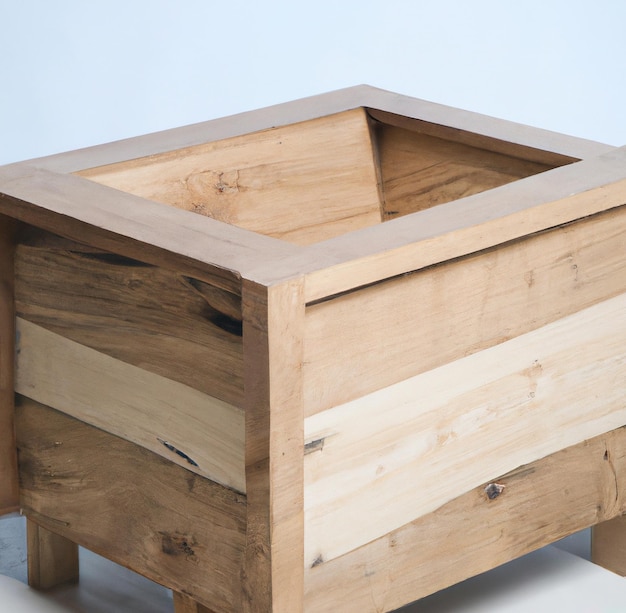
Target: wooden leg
(186, 604)
(608, 545)
(52, 559)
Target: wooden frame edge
(273, 573)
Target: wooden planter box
(333, 355)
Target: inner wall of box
(311, 181)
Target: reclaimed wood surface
(301, 183)
(274, 559)
(131, 506)
(8, 459)
(420, 171)
(380, 461)
(500, 520)
(52, 559)
(379, 335)
(160, 320)
(199, 432)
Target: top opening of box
(317, 179)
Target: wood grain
(160, 320)
(274, 564)
(199, 432)
(52, 559)
(538, 504)
(404, 451)
(301, 183)
(377, 336)
(608, 545)
(8, 459)
(420, 171)
(131, 506)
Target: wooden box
(333, 355)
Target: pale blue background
(81, 72)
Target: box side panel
(145, 353)
(302, 183)
(382, 334)
(482, 528)
(131, 506)
(383, 460)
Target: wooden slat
(608, 544)
(274, 565)
(197, 431)
(163, 321)
(52, 559)
(537, 504)
(383, 334)
(131, 506)
(383, 460)
(420, 171)
(8, 458)
(302, 183)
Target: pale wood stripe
(383, 460)
(159, 414)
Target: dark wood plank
(170, 324)
(131, 506)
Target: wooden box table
(332, 355)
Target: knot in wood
(493, 490)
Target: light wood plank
(274, 564)
(539, 504)
(608, 544)
(402, 452)
(160, 320)
(420, 171)
(131, 506)
(8, 459)
(199, 432)
(301, 183)
(52, 559)
(366, 340)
